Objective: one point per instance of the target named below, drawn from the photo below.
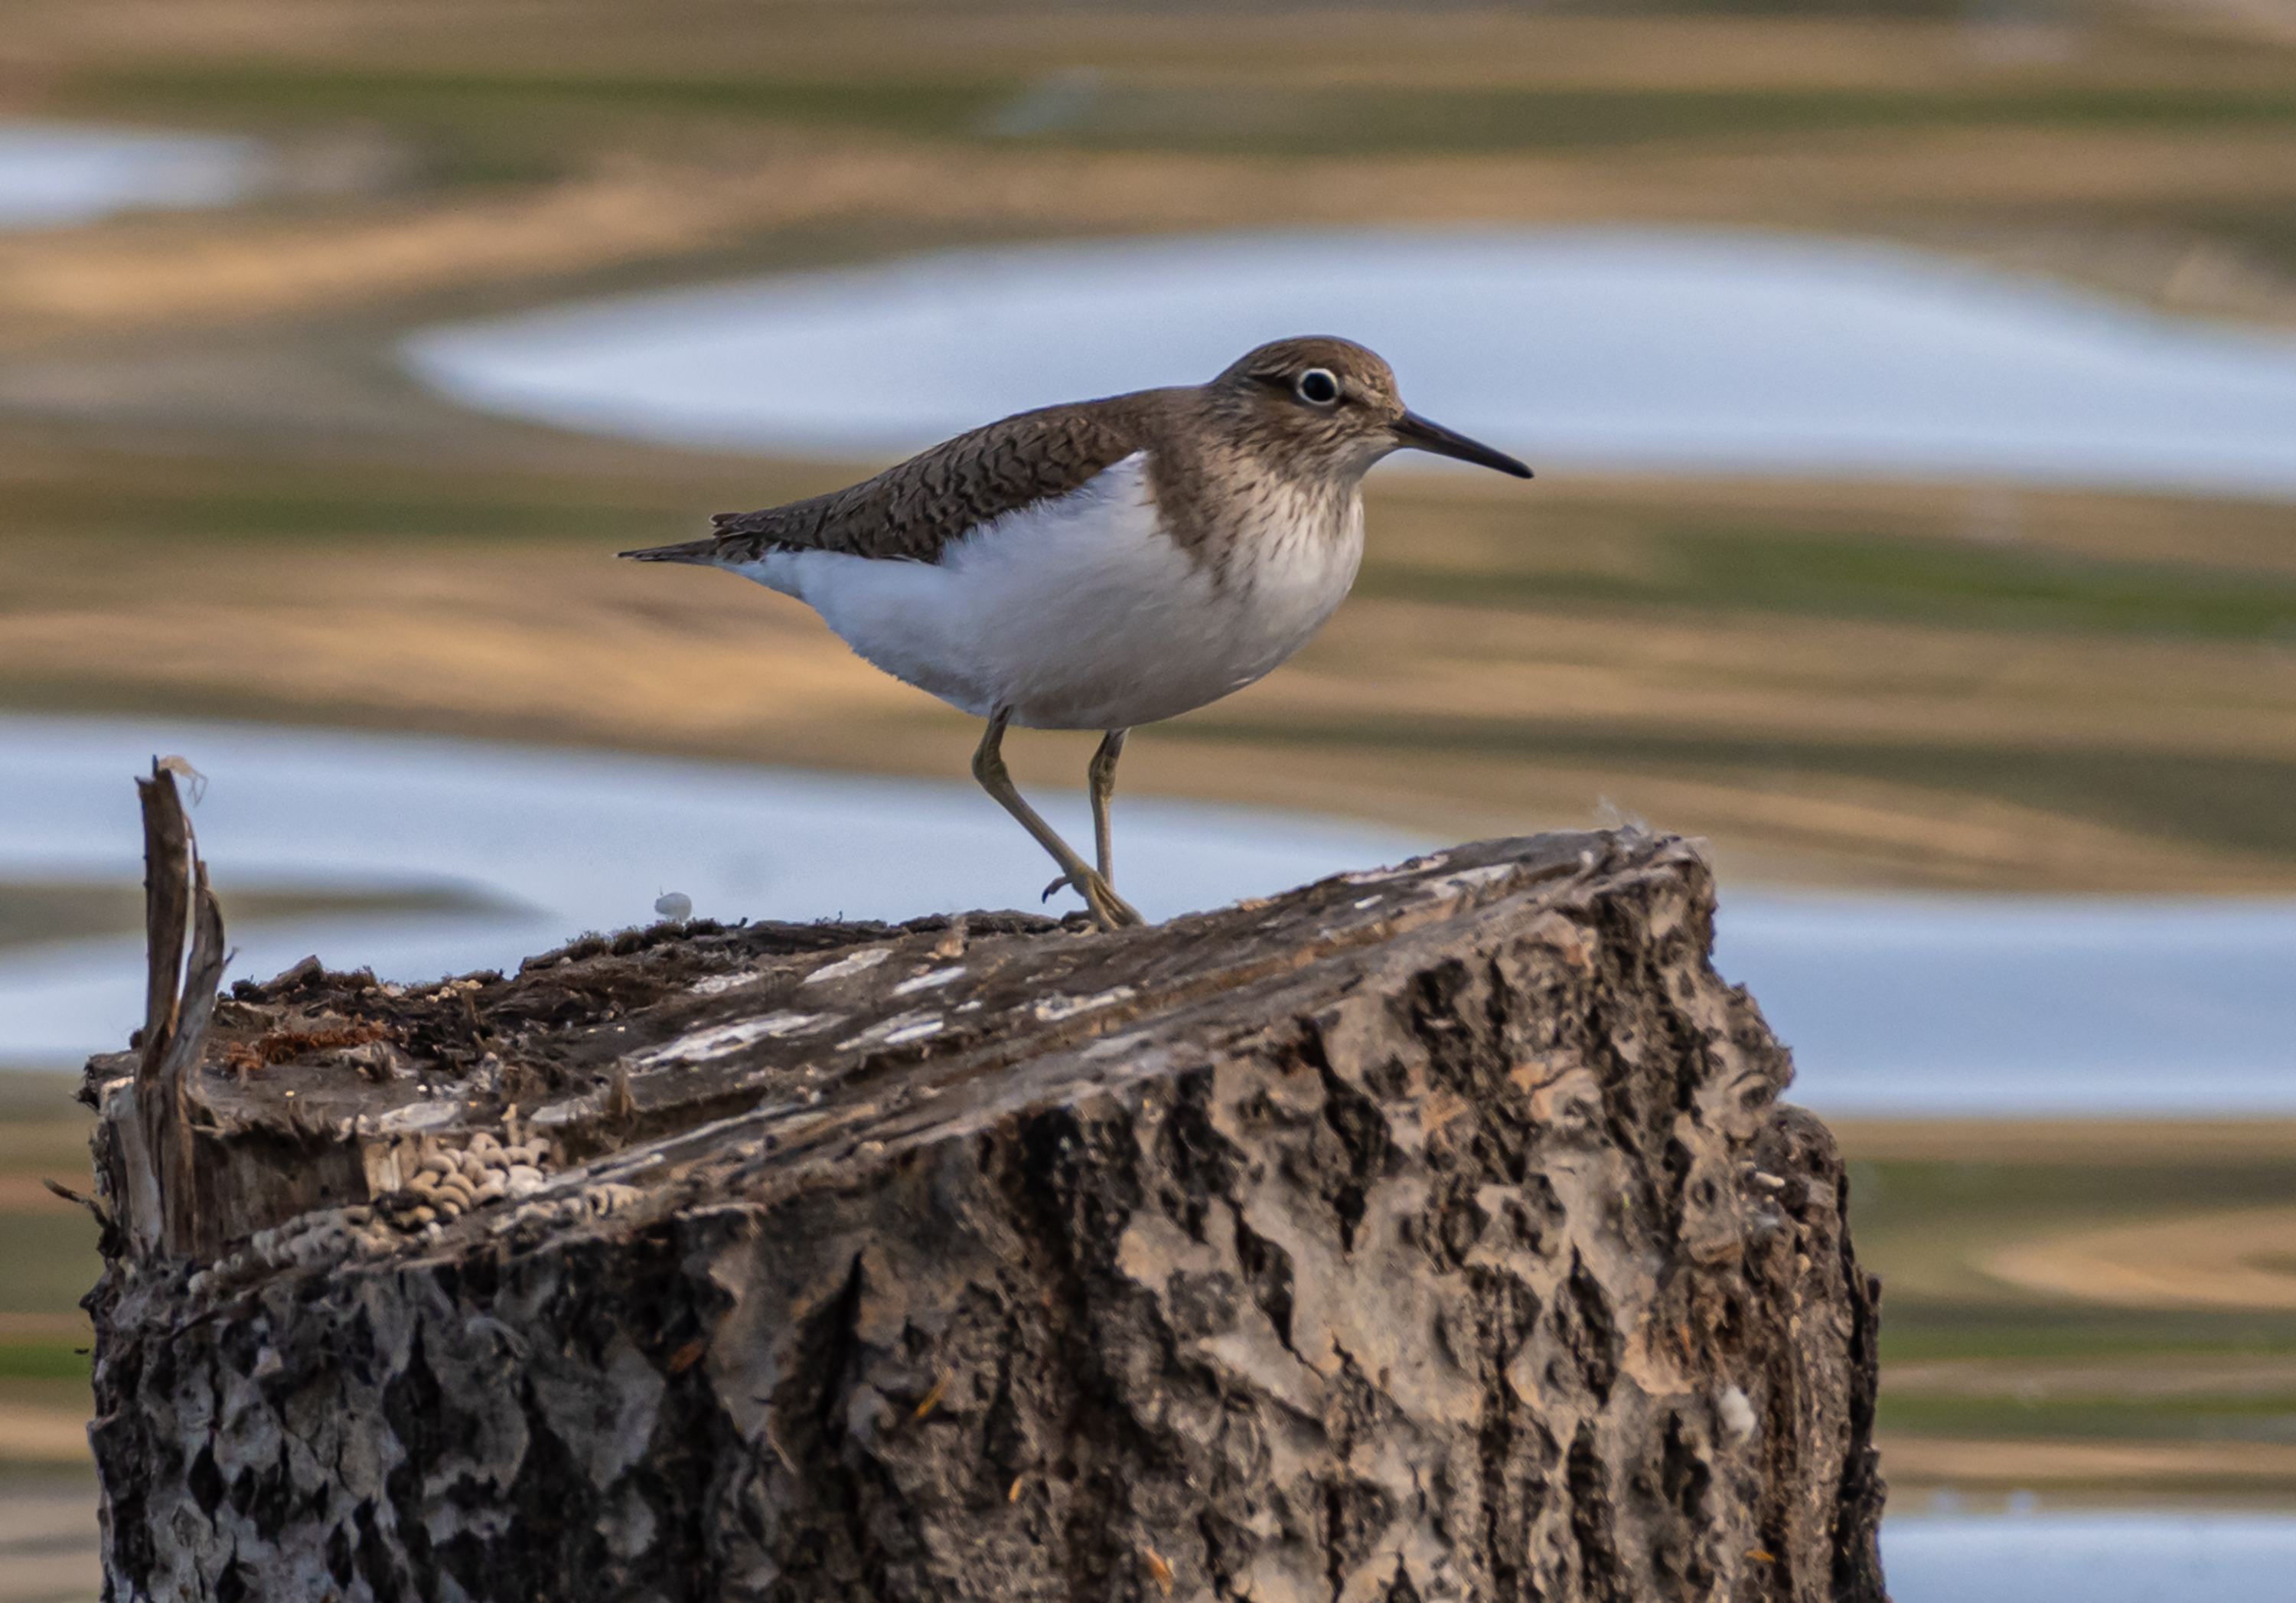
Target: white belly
(1077, 613)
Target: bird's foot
(1112, 911)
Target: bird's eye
(1316, 387)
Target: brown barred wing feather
(911, 511)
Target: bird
(1100, 564)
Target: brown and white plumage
(1103, 563)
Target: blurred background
(1913, 387)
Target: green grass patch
(32, 914)
(923, 106)
(1923, 1226)
(1924, 1197)
(40, 1119)
(493, 126)
(1918, 1330)
(477, 127)
(2181, 1418)
(1373, 121)
(44, 1360)
(52, 1261)
(352, 510)
(1883, 579)
(2236, 802)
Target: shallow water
(52, 174)
(1978, 1004)
(1902, 1003)
(1648, 349)
(2123, 1557)
(562, 841)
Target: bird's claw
(1112, 911)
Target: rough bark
(1430, 1233)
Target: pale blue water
(52, 174)
(1904, 1004)
(562, 841)
(2122, 1557)
(1982, 1004)
(1649, 348)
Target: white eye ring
(1316, 387)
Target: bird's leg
(1101, 776)
(988, 768)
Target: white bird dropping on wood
(676, 906)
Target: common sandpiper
(1102, 565)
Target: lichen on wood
(1433, 1232)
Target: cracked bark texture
(1433, 1233)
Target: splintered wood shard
(164, 1208)
(1429, 1232)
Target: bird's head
(1330, 406)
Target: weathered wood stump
(1429, 1233)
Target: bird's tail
(703, 553)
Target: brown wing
(909, 512)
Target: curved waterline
(1643, 349)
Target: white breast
(1078, 612)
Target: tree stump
(1427, 1233)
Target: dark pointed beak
(1416, 433)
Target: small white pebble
(1737, 1414)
